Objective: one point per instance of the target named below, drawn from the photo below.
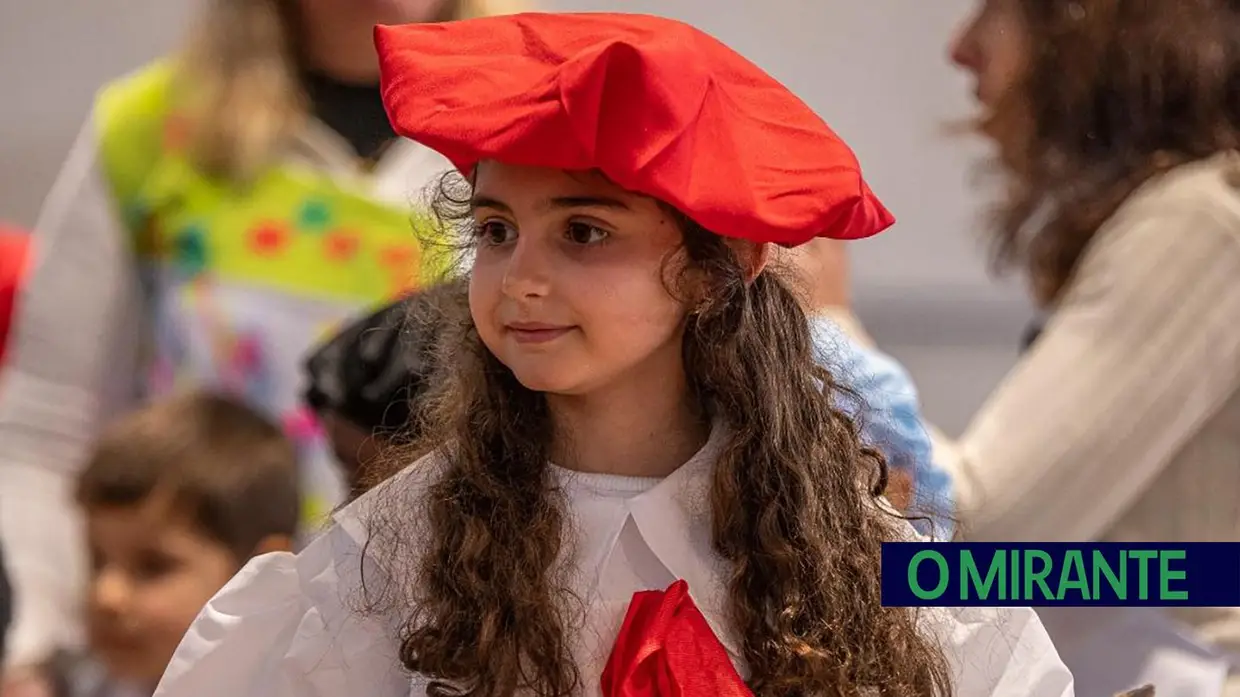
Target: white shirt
(1122, 424)
(284, 628)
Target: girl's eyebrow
(558, 202)
(487, 202)
(588, 202)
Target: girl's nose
(526, 274)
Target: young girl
(629, 404)
(222, 209)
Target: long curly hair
(793, 500)
(1114, 93)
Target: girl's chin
(549, 384)
(550, 376)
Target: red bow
(666, 649)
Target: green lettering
(944, 577)
(1166, 574)
(971, 578)
(1033, 576)
(1143, 574)
(1072, 576)
(1014, 593)
(1119, 584)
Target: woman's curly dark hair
(793, 499)
(1114, 92)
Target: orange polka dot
(341, 245)
(269, 238)
(398, 256)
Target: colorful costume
(240, 284)
(151, 277)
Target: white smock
(287, 625)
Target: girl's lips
(536, 333)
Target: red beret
(656, 105)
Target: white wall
(875, 69)
(53, 55)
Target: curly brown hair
(1114, 92)
(793, 501)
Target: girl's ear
(753, 257)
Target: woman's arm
(886, 408)
(1143, 351)
(893, 422)
(73, 356)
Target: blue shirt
(889, 417)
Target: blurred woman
(1116, 123)
(221, 210)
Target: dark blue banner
(1198, 574)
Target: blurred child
(364, 381)
(176, 498)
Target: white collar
(673, 517)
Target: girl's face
(993, 46)
(571, 279)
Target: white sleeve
(289, 626)
(294, 626)
(1143, 352)
(1000, 652)
(69, 348)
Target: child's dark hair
(793, 498)
(373, 372)
(230, 472)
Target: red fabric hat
(657, 106)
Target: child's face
(355, 448)
(570, 284)
(151, 573)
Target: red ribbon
(667, 649)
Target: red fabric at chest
(666, 649)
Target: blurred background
(1122, 423)
(877, 71)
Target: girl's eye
(584, 233)
(493, 232)
(153, 565)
